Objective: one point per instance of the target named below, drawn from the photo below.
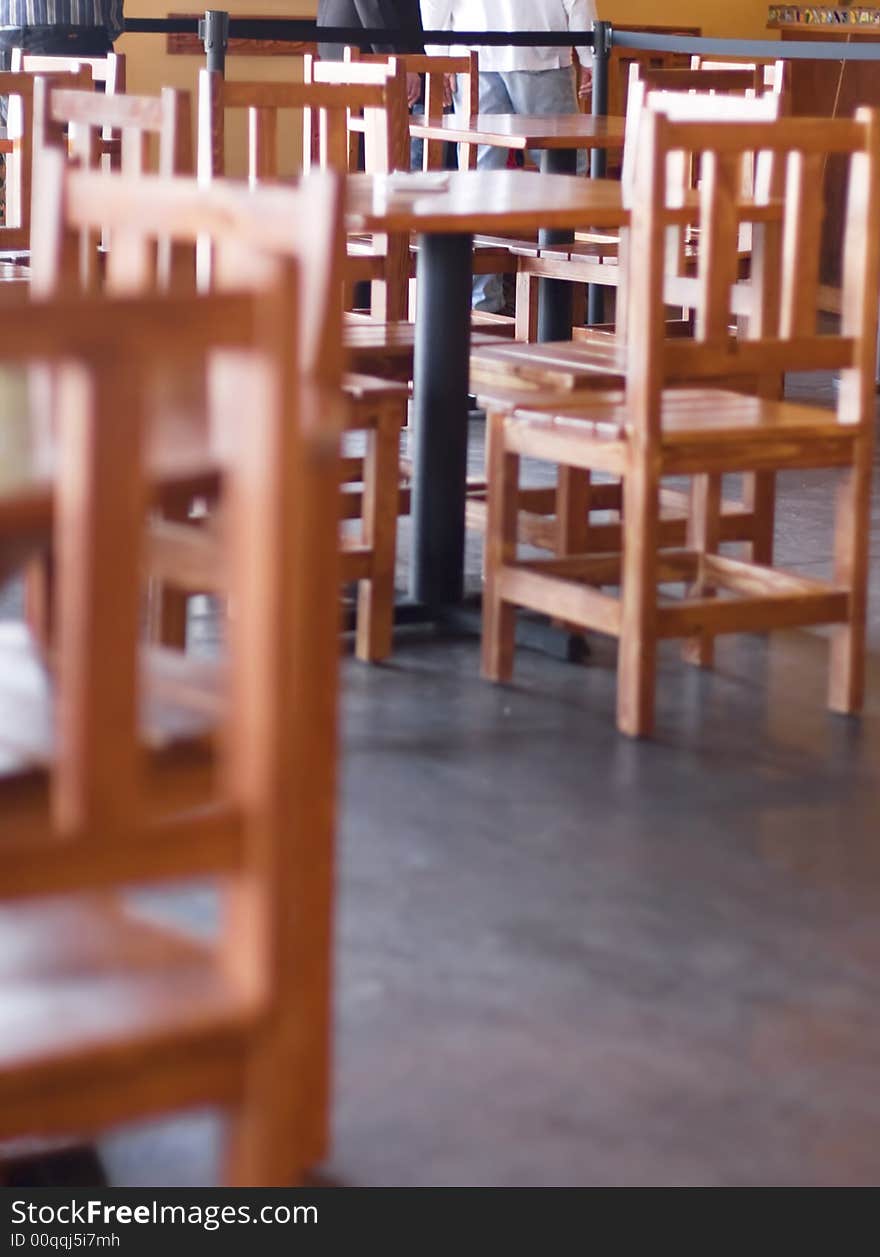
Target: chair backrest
(156, 131)
(385, 131)
(726, 85)
(622, 60)
(768, 75)
(324, 107)
(785, 258)
(435, 70)
(139, 215)
(107, 71)
(18, 149)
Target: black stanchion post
(599, 157)
(601, 54)
(214, 34)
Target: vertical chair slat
(100, 517)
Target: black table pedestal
(554, 304)
(440, 417)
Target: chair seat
(372, 347)
(89, 990)
(182, 702)
(366, 391)
(564, 365)
(14, 272)
(698, 427)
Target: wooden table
(556, 133)
(473, 201)
(558, 138)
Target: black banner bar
(307, 31)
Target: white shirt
(513, 15)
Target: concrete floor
(565, 959)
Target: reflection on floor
(565, 959)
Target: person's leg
(539, 93)
(417, 147)
(488, 291)
(5, 64)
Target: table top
(482, 201)
(518, 131)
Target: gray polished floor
(567, 959)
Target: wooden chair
(490, 254)
(155, 132)
(140, 216)
(594, 257)
(385, 345)
(123, 767)
(434, 72)
(108, 72)
(622, 60)
(17, 149)
(506, 376)
(655, 430)
(107, 76)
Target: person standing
(531, 81)
(60, 28)
(385, 14)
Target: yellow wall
(729, 19)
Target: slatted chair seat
(388, 349)
(14, 272)
(563, 365)
(744, 431)
(182, 701)
(88, 991)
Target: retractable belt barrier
(218, 27)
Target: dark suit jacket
(405, 14)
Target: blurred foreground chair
(124, 767)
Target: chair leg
(168, 605)
(637, 663)
(526, 323)
(261, 1147)
(760, 497)
(572, 511)
(573, 486)
(846, 687)
(499, 617)
(381, 499)
(704, 535)
(39, 599)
